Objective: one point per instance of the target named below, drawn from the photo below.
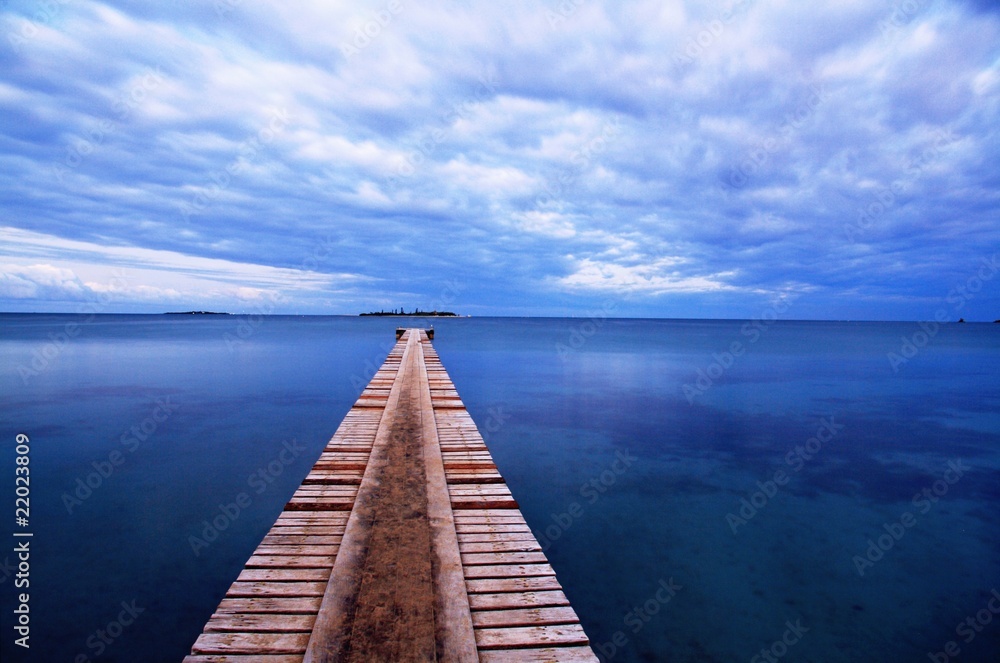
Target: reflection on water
(147, 429)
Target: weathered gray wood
(276, 605)
(453, 620)
(250, 643)
(494, 558)
(548, 655)
(517, 600)
(249, 623)
(524, 617)
(525, 584)
(530, 636)
(244, 658)
(285, 574)
(330, 632)
(250, 589)
(494, 590)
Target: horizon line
(470, 316)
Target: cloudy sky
(663, 159)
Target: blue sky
(661, 159)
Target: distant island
(195, 313)
(415, 312)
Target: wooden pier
(402, 544)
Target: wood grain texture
(479, 584)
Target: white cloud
(77, 270)
(496, 110)
(653, 278)
(549, 224)
(31, 280)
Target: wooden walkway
(403, 543)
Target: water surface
(628, 443)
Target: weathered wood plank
(524, 617)
(548, 655)
(310, 519)
(531, 636)
(318, 518)
(479, 489)
(469, 537)
(286, 561)
(480, 502)
(508, 571)
(527, 545)
(244, 658)
(491, 558)
(490, 528)
(517, 610)
(251, 643)
(284, 573)
(313, 551)
(454, 626)
(499, 585)
(461, 518)
(517, 600)
(250, 589)
(257, 623)
(332, 530)
(279, 539)
(314, 505)
(282, 605)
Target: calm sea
(706, 490)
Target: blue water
(630, 471)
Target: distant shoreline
(583, 318)
(415, 314)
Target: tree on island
(416, 312)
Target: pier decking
(403, 543)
